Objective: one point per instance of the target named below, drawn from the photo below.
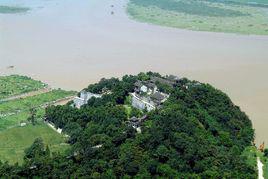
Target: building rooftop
(134, 119)
(158, 96)
(138, 84)
(162, 80)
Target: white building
(142, 103)
(149, 101)
(144, 89)
(84, 97)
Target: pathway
(260, 168)
(25, 95)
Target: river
(71, 43)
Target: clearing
(18, 95)
(15, 140)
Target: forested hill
(196, 133)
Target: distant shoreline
(13, 9)
(245, 19)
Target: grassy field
(15, 140)
(232, 16)
(15, 111)
(15, 85)
(32, 101)
(12, 10)
(15, 120)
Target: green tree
(32, 118)
(37, 149)
(266, 152)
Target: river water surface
(71, 43)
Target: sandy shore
(70, 44)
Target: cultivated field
(15, 111)
(16, 85)
(233, 16)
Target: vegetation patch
(264, 160)
(250, 154)
(15, 111)
(21, 119)
(234, 16)
(18, 105)
(16, 85)
(15, 140)
(265, 167)
(12, 9)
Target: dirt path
(64, 100)
(260, 168)
(29, 94)
(61, 101)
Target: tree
(266, 152)
(37, 149)
(32, 118)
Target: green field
(15, 85)
(12, 9)
(15, 140)
(232, 16)
(33, 101)
(15, 120)
(15, 111)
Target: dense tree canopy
(197, 133)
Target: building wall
(140, 104)
(84, 97)
(78, 102)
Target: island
(145, 126)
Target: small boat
(10, 67)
